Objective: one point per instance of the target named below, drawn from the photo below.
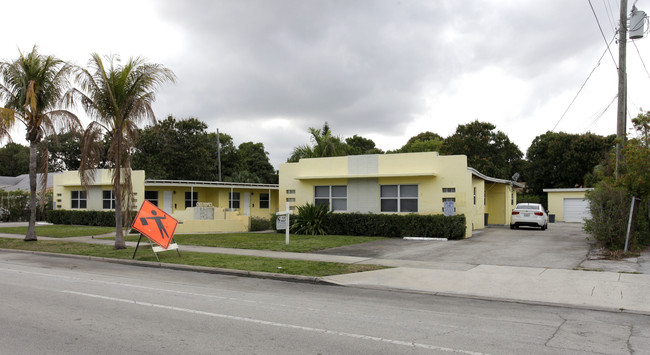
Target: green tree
(358, 145)
(423, 142)
(14, 159)
(323, 144)
(183, 150)
(117, 97)
(490, 152)
(32, 87)
(65, 151)
(255, 160)
(562, 160)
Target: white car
(529, 214)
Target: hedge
(393, 225)
(396, 226)
(84, 218)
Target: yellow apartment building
(200, 206)
(399, 183)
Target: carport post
(629, 224)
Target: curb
(182, 267)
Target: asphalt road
(60, 305)
(561, 246)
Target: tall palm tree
(32, 87)
(324, 145)
(118, 98)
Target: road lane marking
(276, 324)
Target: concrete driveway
(561, 246)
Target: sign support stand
(287, 225)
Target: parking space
(561, 246)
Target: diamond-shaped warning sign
(155, 224)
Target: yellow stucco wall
(69, 181)
(556, 200)
(501, 199)
(171, 198)
(430, 171)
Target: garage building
(568, 205)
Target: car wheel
(512, 226)
(544, 227)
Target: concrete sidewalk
(609, 291)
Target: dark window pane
(339, 204)
(389, 205)
(322, 201)
(82, 204)
(321, 191)
(409, 205)
(339, 191)
(409, 191)
(389, 191)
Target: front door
(167, 202)
(247, 203)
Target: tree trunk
(119, 236)
(31, 231)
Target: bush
(310, 220)
(260, 224)
(609, 207)
(14, 206)
(84, 218)
(397, 226)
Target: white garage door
(576, 210)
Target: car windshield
(528, 206)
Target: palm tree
(32, 86)
(118, 98)
(324, 145)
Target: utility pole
(219, 153)
(622, 88)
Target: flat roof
(212, 184)
(577, 189)
(362, 176)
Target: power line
(610, 14)
(601, 113)
(585, 83)
(640, 57)
(603, 34)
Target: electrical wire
(641, 58)
(602, 33)
(585, 83)
(600, 114)
(610, 14)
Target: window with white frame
(474, 195)
(108, 200)
(78, 199)
(151, 196)
(191, 198)
(335, 197)
(234, 198)
(399, 198)
(448, 190)
(264, 200)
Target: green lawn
(60, 231)
(269, 241)
(237, 262)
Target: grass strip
(268, 241)
(235, 262)
(60, 231)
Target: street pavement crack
(555, 333)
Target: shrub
(14, 206)
(310, 220)
(85, 218)
(260, 224)
(397, 226)
(609, 207)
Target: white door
(247, 203)
(576, 209)
(167, 201)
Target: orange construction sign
(155, 224)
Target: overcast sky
(265, 71)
